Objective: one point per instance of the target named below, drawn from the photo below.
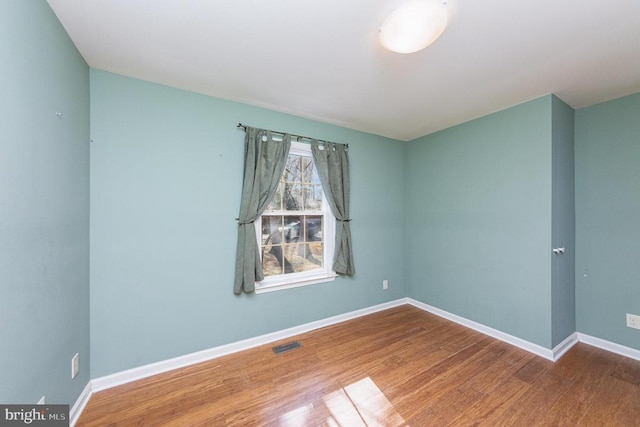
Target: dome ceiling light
(413, 25)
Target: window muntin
(296, 231)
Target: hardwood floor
(399, 367)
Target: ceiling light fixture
(413, 26)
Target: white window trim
(313, 277)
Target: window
(296, 231)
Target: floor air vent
(286, 347)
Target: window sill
(266, 286)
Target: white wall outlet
(633, 321)
(385, 284)
(75, 365)
(41, 401)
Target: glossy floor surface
(399, 367)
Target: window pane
(313, 228)
(272, 260)
(307, 169)
(292, 229)
(271, 230)
(316, 254)
(293, 169)
(292, 197)
(312, 197)
(291, 260)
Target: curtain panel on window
(332, 164)
(264, 162)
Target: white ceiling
(320, 59)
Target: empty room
(319, 213)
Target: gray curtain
(332, 163)
(264, 161)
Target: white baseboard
(80, 404)
(612, 347)
(564, 346)
(145, 371)
(536, 349)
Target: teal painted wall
(44, 207)
(478, 220)
(563, 313)
(608, 219)
(166, 175)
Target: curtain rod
(244, 127)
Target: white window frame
(305, 278)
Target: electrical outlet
(385, 284)
(75, 365)
(41, 401)
(633, 321)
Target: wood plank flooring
(399, 367)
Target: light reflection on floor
(358, 404)
(297, 417)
